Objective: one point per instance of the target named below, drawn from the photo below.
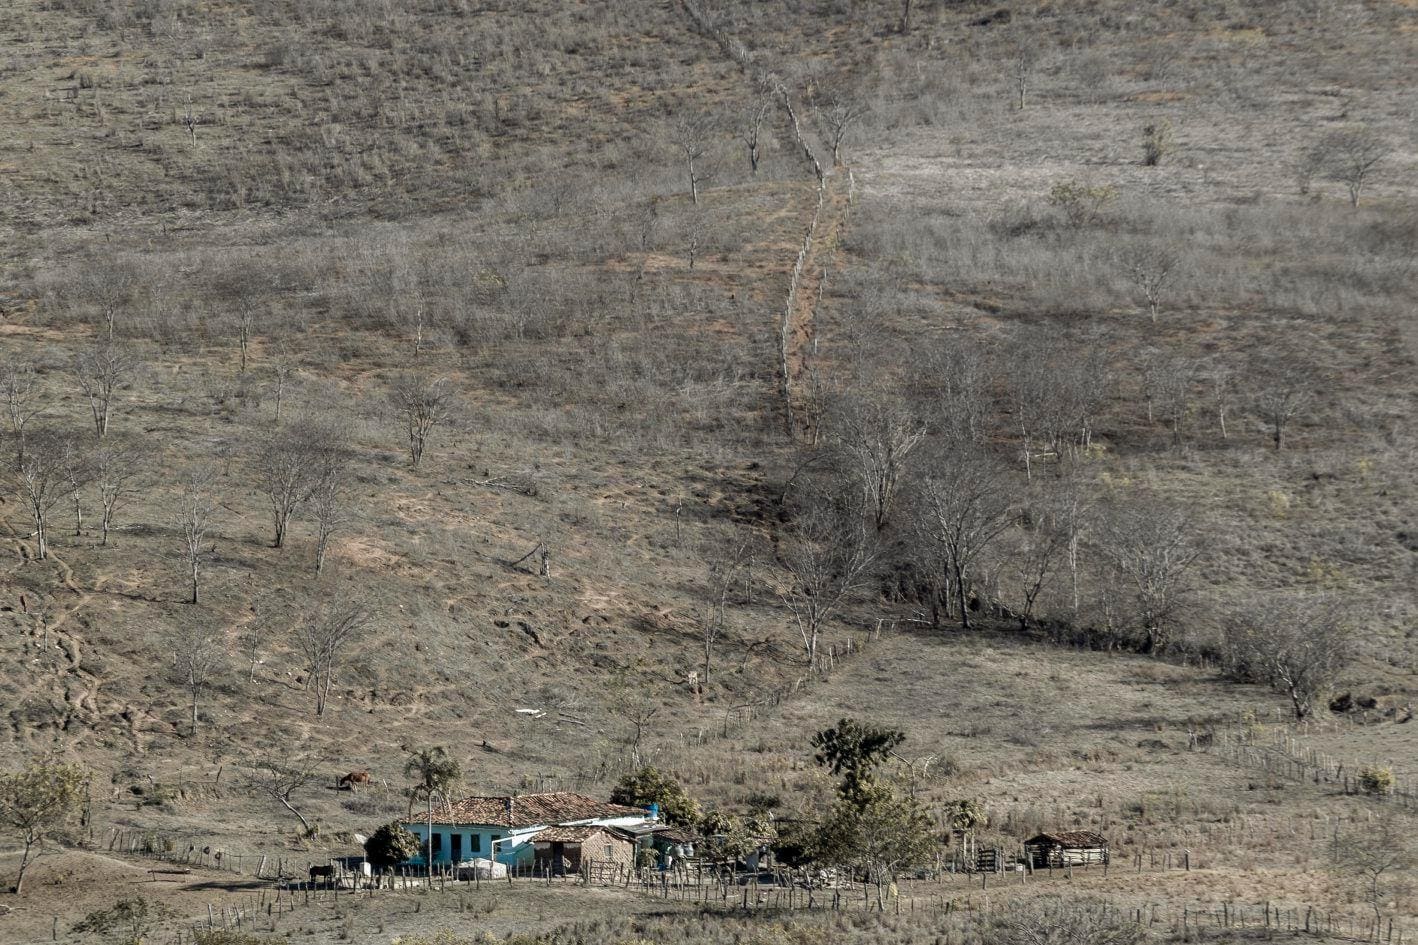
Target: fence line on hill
(1278, 752)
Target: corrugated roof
(1071, 839)
(530, 810)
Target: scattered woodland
(587, 396)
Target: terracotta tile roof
(530, 810)
(1072, 839)
(573, 834)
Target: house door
(457, 840)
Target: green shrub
(390, 845)
(1081, 204)
(649, 786)
(1376, 779)
(1156, 142)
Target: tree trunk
(963, 601)
(285, 802)
(25, 861)
(194, 713)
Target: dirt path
(54, 632)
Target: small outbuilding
(1066, 848)
(561, 851)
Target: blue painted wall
(477, 842)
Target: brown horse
(348, 782)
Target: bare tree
(198, 657)
(41, 480)
(251, 643)
(1169, 383)
(1297, 643)
(827, 555)
(1056, 388)
(193, 519)
(324, 640)
(1281, 390)
(245, 284)
(1034, 555)
(957, 377)
(1023, 57)
(80, 471)
(1152, 269)
(839, 111)
(877, 435)
(1068, 509)
(1376, 856)
(423, 402)
(1220, 383)
(116, 475)
(632, 704)
(726, 566)
(289, 465)
(22, 403)
(1349, 157)
(282, 370)
(102, 371)
(1150, 548)
(964, 507)
(280, 779)
(754, 118)
(691, 137)
(111, 287)
(327, 504)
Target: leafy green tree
(433, 773)
(390, 845)
(36, 804)
(853, 750)
(877, 834)
(729, 838)
(130, 920)
(651, 786)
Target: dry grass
(495, 169)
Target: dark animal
(326, 872)
(348, 781)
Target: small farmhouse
(561, 851)
(1066, 848)
(502, 829)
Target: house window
(475, 842)
(437, 845)
(610, 851)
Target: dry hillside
(271, 217)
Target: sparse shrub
(128, 920)
(1156, 142)
(1081, 204)
(1376, 780)
(967, 814)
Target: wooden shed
(1066, 848)
(562, 851)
